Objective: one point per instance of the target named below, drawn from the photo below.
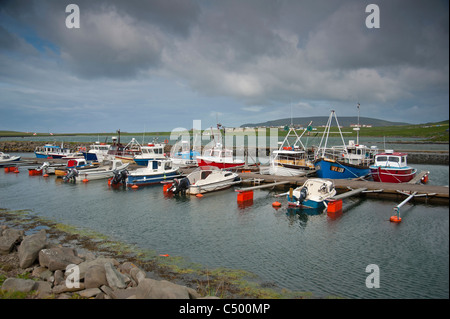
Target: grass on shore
(436, 132)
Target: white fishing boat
(97, 152)
(205, 179)
(151, 151)
(312, 194)
(101, 172)
(6, 158)
(291, 159)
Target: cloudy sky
(157, 65)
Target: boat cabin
(99, 148)
(220, 153)
(163, 165)
(152, 149)
(391, 159)
(50, 148)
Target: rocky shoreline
(35, 255)
(51, 270)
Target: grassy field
(436, 132)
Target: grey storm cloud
(258, 52)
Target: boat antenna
(292, 124)
(357, 131)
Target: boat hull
(222, 165)
(308, 204)
(289, 170)
(337, 170)
(142, 180)
(14, 159)
(212, 187)
(392, 175)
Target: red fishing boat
(218, 155)
(391, 167)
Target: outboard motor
(71, 175)
(303, 194)
(180, 185)
(119, 177)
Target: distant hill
(322, 120)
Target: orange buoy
(45, 175)
(16, 170)
(166, 187)
(276, 204)
(395, 219)
(85, 180)
(199, 195)
(165, 255)
(134, 187)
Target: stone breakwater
(50, 270)
(30, 146)
(414, 156)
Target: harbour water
(286, 248)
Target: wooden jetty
(432, 194)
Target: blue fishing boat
(344, 161)
(156, 171)
(55, 151)
(333, 169)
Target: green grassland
(433, 132)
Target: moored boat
(205, 179)
(344, 161)
(97, 152)
(182, 156)
(151, 151)
(312, 194)
(55, 151)
(7, 158)
(78, 163)
(392, 167)
(218, 155)
(291, 160)
(102, 172)
(156, 171)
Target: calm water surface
(286, 247)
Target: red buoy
(276, 204)
(395, 219)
